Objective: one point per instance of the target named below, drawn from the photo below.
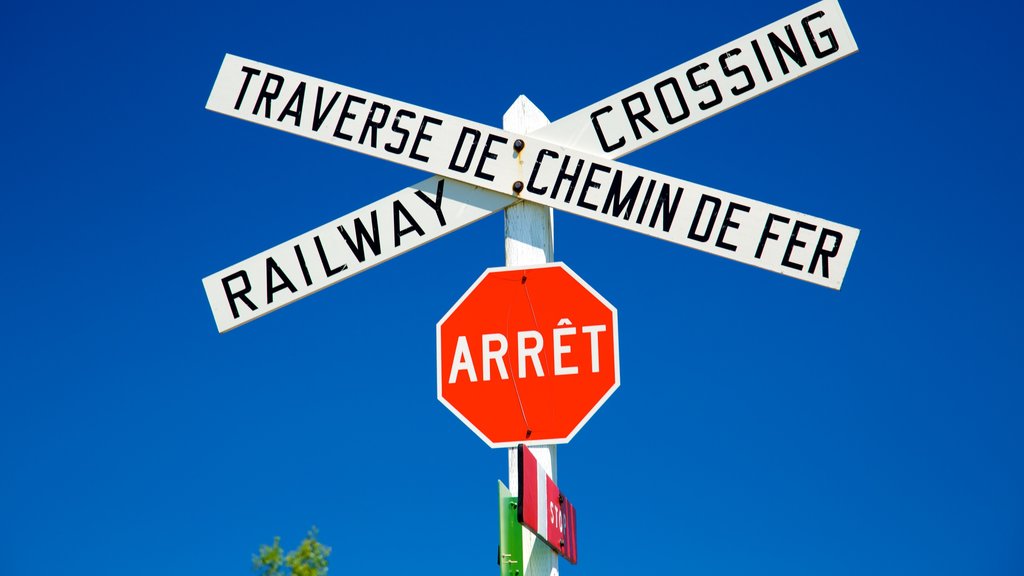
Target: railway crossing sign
(536, 377)
(568, 165)
(527, 355)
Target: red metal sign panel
(527, 355)
(544, 509)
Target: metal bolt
(517, 187)
(518, 145)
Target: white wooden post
(530, 239)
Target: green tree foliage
(309, 559)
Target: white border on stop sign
(590, 414)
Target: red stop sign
(527, 355)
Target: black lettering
(600, 133)
(345, 114)
(302, 265)
(249, 73)
(422, 135)
(706, 84)
(794, 242)
(396, 128)
(273, 268)
(589, 183)
(318, 116)
(328, 270)
(760, 60)
(536, 168)
(266, 94)
(564, 175)
(833, 46)
(435, 204)
(294, 105)
(641, 115)
(616, 201)
(647, 200)
(736, 90)
(372, 240)
(371, 126)
(241, 294)
(792, 49)
(414, 226)
(488, 155)
(824, 255)
(454, 164)
(727, 223)
(706, 235)
(659, 91)
(767, 232)
(662, 207)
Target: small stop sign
(527, 355)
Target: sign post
(520, 382)
(529, 240)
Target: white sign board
(647, 202)
(706, 85)
(675, 210)
(345, 247)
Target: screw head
(518, 145)
(517, 187)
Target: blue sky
(763, 425)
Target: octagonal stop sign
(527, 355)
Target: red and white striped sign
(544, 509)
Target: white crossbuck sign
(568, 165)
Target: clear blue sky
(763, 425)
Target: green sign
(510, 542)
